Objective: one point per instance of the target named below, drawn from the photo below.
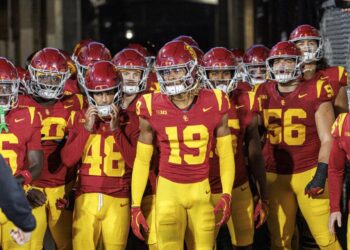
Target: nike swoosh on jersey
(239, 106)
(207, 109)
(18, 120)
(123, 204)
(67, 106)
(302, 95)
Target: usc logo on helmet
(191, 50)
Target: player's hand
(114, 123)
(334, 217)
(224, 206)
(138, 221)
(62, 203)
(19, 236)
(90, 117)
(67, 202)
(316, 186)
(260, 212)
(36, 198)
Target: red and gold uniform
(103, 190)
(291, 156)
(54, 177)
(71, 87)
(129, 123)
(241, 223)
(340, 152)
(183, 190)
(152, 82)
(243, 86)
(336, 76)
(23, 136)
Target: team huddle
(178, 145)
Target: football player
(102, 207)
(133, 69)
(310, 42)
(184, 119)
(297, 115)
(254, 64)
(19, 141)
(220, 68)
(48, 73)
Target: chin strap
(3, 125)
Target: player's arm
(141, 166)
(225, 152)
(35, 165)
(257, 167)
(324, 118)
(227, 168)
(335, 182)
(335, 175)
(74, 147)
(127, 147)
(341, 102)
(140, 173)
(255, 157)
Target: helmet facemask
(226, 85)
(8, 94)
(47, 84)
(133, 86)
(255, 73)
(311, 53)
(183, 84)
(284, 74)
(81, 71)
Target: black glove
(316, 185)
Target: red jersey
(104, 166)
(54, 121)
(239, 118)
(292, 142)
(243, 86)
(339, 153)
(184, 136)
(71, 87)
(152, 82)
(23, 136)
(336, 76)
(129, 124)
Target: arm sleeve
(127, 148)
(140, 172)
(74, 147)
(13, 202)
(227, 162)
(336, 167)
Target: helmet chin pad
(104, 110)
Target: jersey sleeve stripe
(218, 95)
(80, 99)
(148, 101)
(319, 85)
(340, 72)
(341, 122)
(31, 113)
